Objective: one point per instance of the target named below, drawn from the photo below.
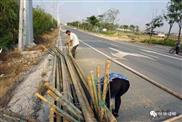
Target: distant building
(162, 35)
(104, 29)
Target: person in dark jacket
(177, 47)
(119, 85)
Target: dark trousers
(117, 88)
(177, 49)
(73, 50)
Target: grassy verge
(169, 42)
(14, 64)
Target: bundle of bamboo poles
(98, 94)
(93, 85)
(70, 112)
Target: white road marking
(149, 55)
(149, 51)
(114, 45)
(138, 73)
(155, 52)
(121, 54)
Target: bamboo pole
(98, 72)
(61, 112)
(62, 97)
(84, 104)
(109, 116)
(90, 87)
(106, 79)
(51, 115)
(67, 106)
(94, 90)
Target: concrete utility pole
(58, 12)
(29, 21)
(25, 24)
(20, 38)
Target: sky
(136, 12)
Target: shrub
(42, 21)
(9, 19)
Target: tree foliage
(173, 14)
(9, 22)
(132, 28)
(42, 21)
(9, 17)
(155, 23)
(177, 5)
(93, 20)
(109, 16)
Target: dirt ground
(15, 66)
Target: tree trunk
(171, 25)
(151, 32)
(179, 34)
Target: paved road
(153, 62)
(142, 96)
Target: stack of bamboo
(92, 84)
(70, 112)
(98, 92)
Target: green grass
(109, 33)
(169, 42)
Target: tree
(177, 4)
(132, 28)
(155, 23)
(39, 24)
(110, 16)
(125, 27)
(137, 28)
(9, 16)
(92, 20)
(170, 17)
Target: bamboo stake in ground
(61, 112)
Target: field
(140, 37)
